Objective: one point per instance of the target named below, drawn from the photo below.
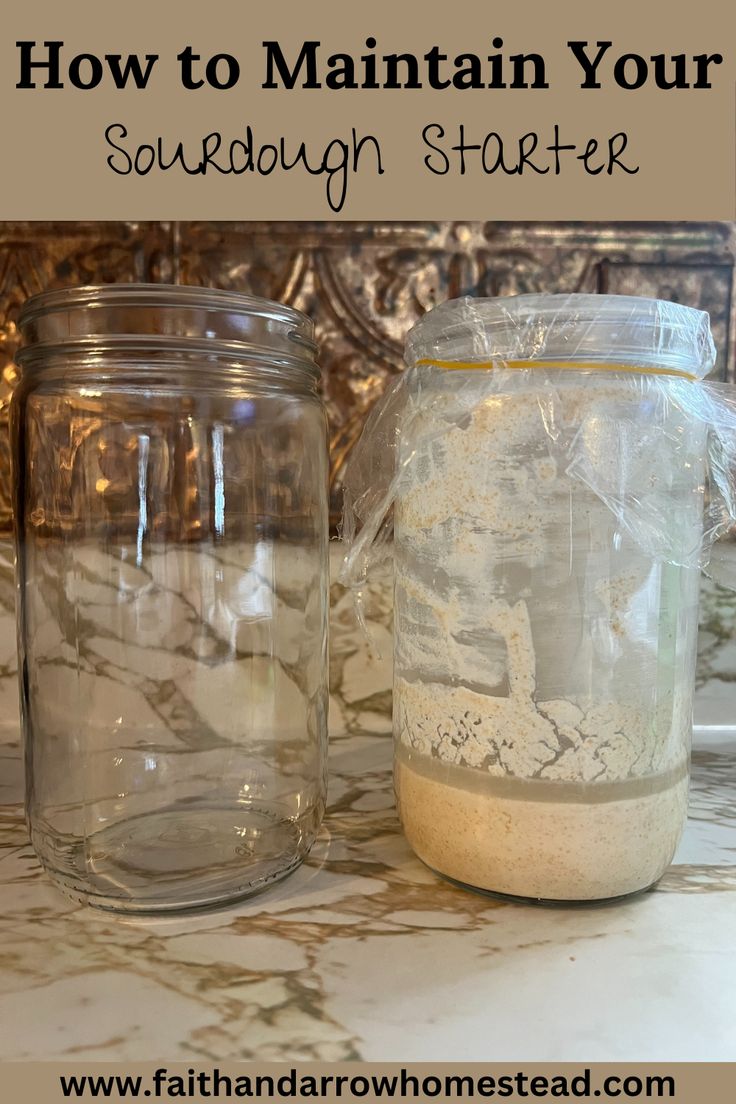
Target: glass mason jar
(171, 525)
(548, 525)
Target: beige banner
(467, 110)
(686, 1082)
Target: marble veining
(363, 952)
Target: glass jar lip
(105, 358)
(157, 295)
(107, 315)
(589, 328)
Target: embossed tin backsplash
(366, 283)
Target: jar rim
(628, 329)
(147, 295)
(223, 322)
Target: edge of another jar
(627, 329)
(103, 316)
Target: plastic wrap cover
(631, 354)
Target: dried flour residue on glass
(502, 784)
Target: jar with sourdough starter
(549, 461)
(171, 516)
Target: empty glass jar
(171, 514)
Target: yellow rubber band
(556, 365)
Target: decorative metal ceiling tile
(365, 284)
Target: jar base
(545, 902)
(176, 859)
(536, 842)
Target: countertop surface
(364, 953)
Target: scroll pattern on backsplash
(365, 284)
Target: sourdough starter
(544, 649)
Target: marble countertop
(364, 953)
